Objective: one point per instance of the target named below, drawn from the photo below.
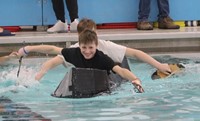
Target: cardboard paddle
(175, 68)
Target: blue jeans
(144, 9)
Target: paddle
(20, 63)
(174, 69)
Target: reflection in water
(11, 111)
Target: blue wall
(40, 12)
(20, 12)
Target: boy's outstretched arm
(46, 49)
(163, 67)
(126, 74)
(52, 63)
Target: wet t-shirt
(99, 61)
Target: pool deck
(107, 34)
(185, 38)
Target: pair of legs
(144, 9)
(59, 9)
(164, 21)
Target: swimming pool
(175, 98)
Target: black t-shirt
(99, 61)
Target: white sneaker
(58, 27)
(73, 25)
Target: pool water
(175, 98)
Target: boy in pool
(8, 57)
(107, 47)
(88, 56)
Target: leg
(163, 7)
(144, 10)
(143, 14)
(58, 7)
(60, 26)
(72, 7)
(164, 21)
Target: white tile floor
(107, 34)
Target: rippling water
(176, 98)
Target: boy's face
(88, 50)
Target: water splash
(11, 82)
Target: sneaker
(58, 27)
(73, 26)
(144, 25)
(167, 23)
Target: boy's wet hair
(87, 37)
(86, 23)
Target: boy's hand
(13, 55)
(164, 68)
(39, 75)
(138, 87)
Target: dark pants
(58, 7)
(144, 9)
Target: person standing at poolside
(61, 24)
(164, 20)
